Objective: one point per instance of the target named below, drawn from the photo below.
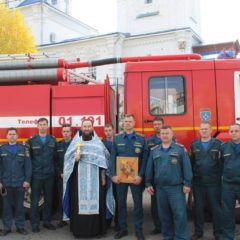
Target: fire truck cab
(184, 93)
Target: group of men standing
(31, 165)
(87, 177)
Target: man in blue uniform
(129, 144)
(207, 173)
(61, 150)
(152, 142)
(230, 152)
(169, 168)
(43, 154)
(15, 177)
(107, 141)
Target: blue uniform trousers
(15, 196)
(60, 195)
(39, 186)
(137, 191)
(212, 194)
(154, 212)
(230, 193)
(172, 212)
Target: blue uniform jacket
(107, 144)
(169, 168)
(61, 150)
(231, 163)
(15, 168)
(153, 141)
(43, 156)
(134, 147)
(206, 164)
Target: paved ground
(64, 234)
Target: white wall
(166, 14)
(44, 20)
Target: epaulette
(195, 141)
(182, 146)
(154, 147)
(217, 140)
(223, 143)
(117, 134)
(140, 134)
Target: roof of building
(28, 2)
(126, 35)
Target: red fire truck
(183, 89)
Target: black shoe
(5, 232)
(22, 231)
(196, 236)
(61, 224)
(49, 226)
(35, 229)
(140, 236)
(116, 228)
(155, 231)
(120, 234)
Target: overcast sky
(219, 18)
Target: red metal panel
(225, 98)
(133, 98)
(71, 104)
(169, 66)
(204, 97)
(21, 106)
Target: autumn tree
(15, 36)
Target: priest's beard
(87, 136)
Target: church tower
(149, 16)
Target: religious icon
(127, 169)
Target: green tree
(15, 36)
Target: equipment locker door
(237, 96)
(21, 106)
(169, 95)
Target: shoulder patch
(139, 134)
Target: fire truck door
(237, 96)
(169, 95)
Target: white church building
(145, 27)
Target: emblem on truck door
(205, 115)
